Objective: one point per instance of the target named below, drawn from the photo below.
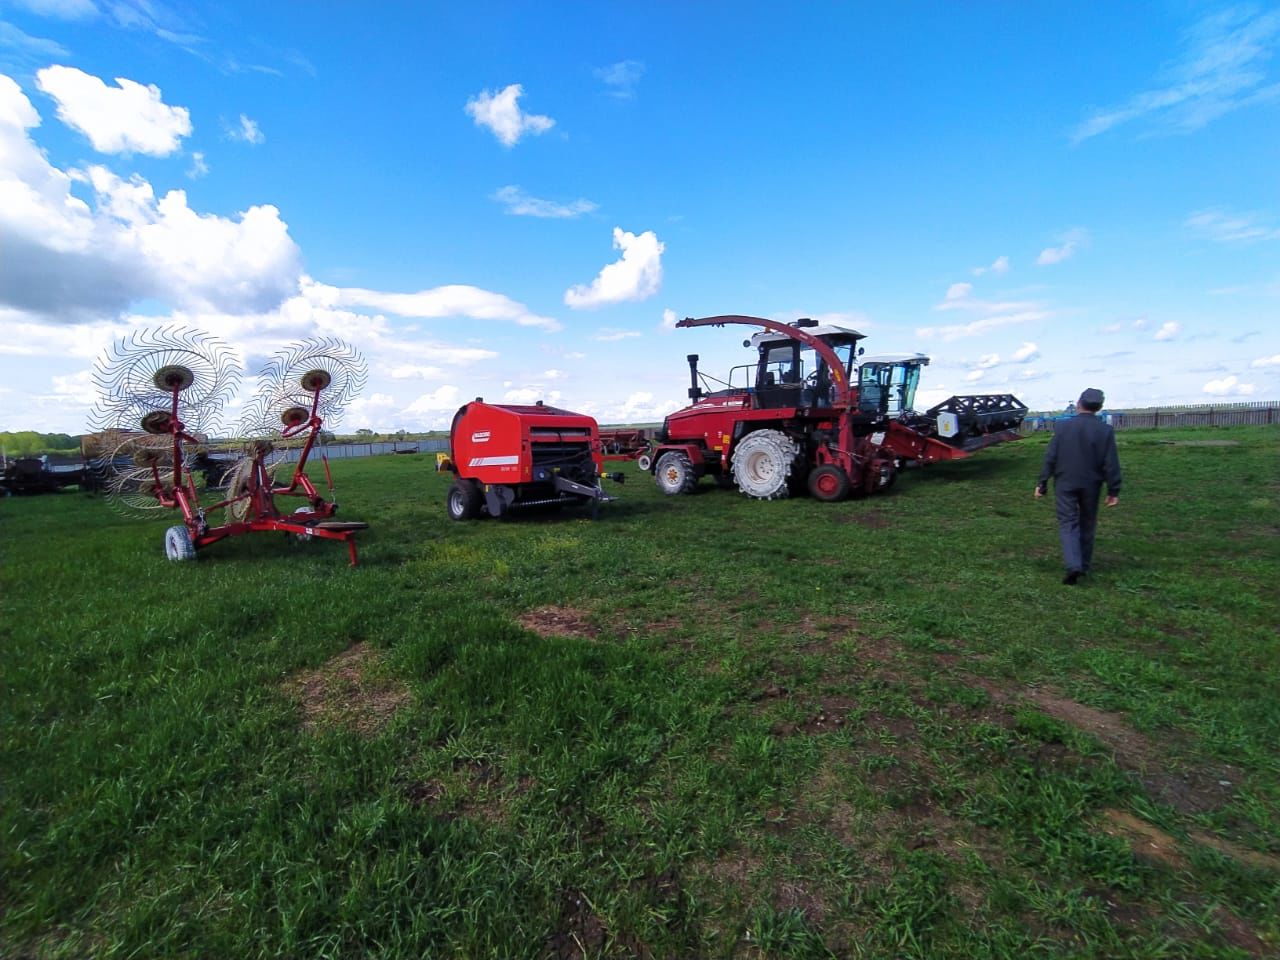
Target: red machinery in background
(833, 425)
(512, 456)
(173, 384)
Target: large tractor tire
(828, 483)
(762, 464)
(675, 474)
(464, 500)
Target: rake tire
(178, 545)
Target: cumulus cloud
(637, 275)
(988, 360)
(1224, 227)
(1168, 330)
(974, 375)
(999, 266)
(1271, 361)
(1223, 66)
(446, 397)
(1228, 387)
(199, 167)
(246, 131)
(1026, 353)
(520, 204)
(621, 78)
(68, 258)
(501, 114)
(453, 300)
(1071, 241)
(126, 118)
(669, 319)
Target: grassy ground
(700, 726)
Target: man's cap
(1091, 397)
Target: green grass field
(696, 727)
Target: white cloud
(621, 78)
(409, 371)
(246, 131)
(446, 397)
(520, 204)
(1223, 227)
(999, 267)
(1228, 387)
(554, 374)
(637, 275)
(611, 335)
(128, 117)
(991, 314)
(1026, 353)
(575, 356)
(988, 360)
(522, 395)
(669, 319)
(454, 300)
(973, 376)
(31, 48)
(61, 9)
(1168, 330)
(1140, 323)
(502, 115)
(1272, 361)
(1223, 67)
(1071, 241)
(199, 167)
(1111, 328)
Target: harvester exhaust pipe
(695, 391)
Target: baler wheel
(828, 483)
(178, 545)
(762, 464)
(463, 500)
(675, 474)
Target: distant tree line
(26, 443)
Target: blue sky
(515, 201)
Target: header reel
(163, 391)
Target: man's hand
(1112, 501)
(1039, 491)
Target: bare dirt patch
(579, 931)
(559, 622)
(1147, 841)
(349, 690)
(1196, 790)
(1254, 858)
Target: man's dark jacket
(1082, 455)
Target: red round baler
(511, 456)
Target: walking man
(1081, 457)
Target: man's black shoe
(1072, 577)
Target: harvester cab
(888, 384)
(792, 373)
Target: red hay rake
(174, 383)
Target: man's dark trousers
(1077, 523)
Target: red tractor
(511, 456)
(807, 413)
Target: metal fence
(339, 451)
(1261, 413)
